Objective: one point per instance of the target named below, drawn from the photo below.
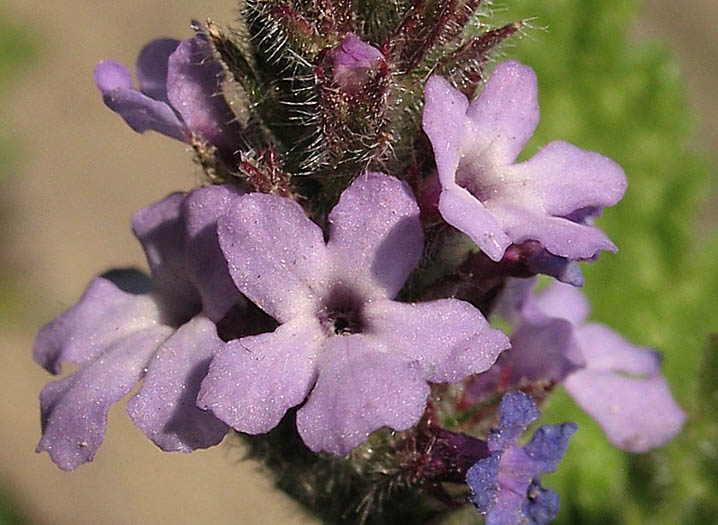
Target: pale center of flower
(341, 313)
(477, 172)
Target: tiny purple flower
(506, 486)
(352, 61)
(615, 382)
(127, 327)
(363, 359)
(549, 198)
(179, 94)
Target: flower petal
(449, 339)
(559, 236)
(151, 67)
(540, 353)
(206, 265)
(74, 409)
(141, 112)
(443, 122)
(566, 178)
(375, 237)
(276, 255)
(505, 115)
(506, 486)
(160, 228)
(636, 414)
(113, 307)
(164, 407)
(465, 213)
(360, 389)
(193, 89)
(606, 351)
(111, 75)
(561, 301)
(516, 412)
(548, 445)
(253, 381)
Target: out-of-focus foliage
(604, 92)
(8, 512)
(16, 52)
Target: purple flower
(363, 359)
(352, 61)
(615, 382)
(495, 201)
(506, 486)
(178, 96)
(127, 327)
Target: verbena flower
(615, 382)
(127, 327)
(496, 202)
(352, 61)
(363, 360)
(179, 94)
(506, 486)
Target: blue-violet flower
(506, 486)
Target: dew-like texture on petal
(461, 209)
(516, 412)
(254, 380)
(206, 265)
(109, 311)
(543, 504)
(276, 255)
(74, 409)
(161, 231)
(449, 339)
(548, 445)
(361, 387)
(140, 111)
(506, 486)
(559, 236)
(151, 67)
(193, 89)
(636, 414)
(164, 407)
(482, 481)
(375, 235)
(443, 122)
(506, 112)
(566, 178)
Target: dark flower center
(341, 314)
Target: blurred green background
(605, 91)
(72, 174)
